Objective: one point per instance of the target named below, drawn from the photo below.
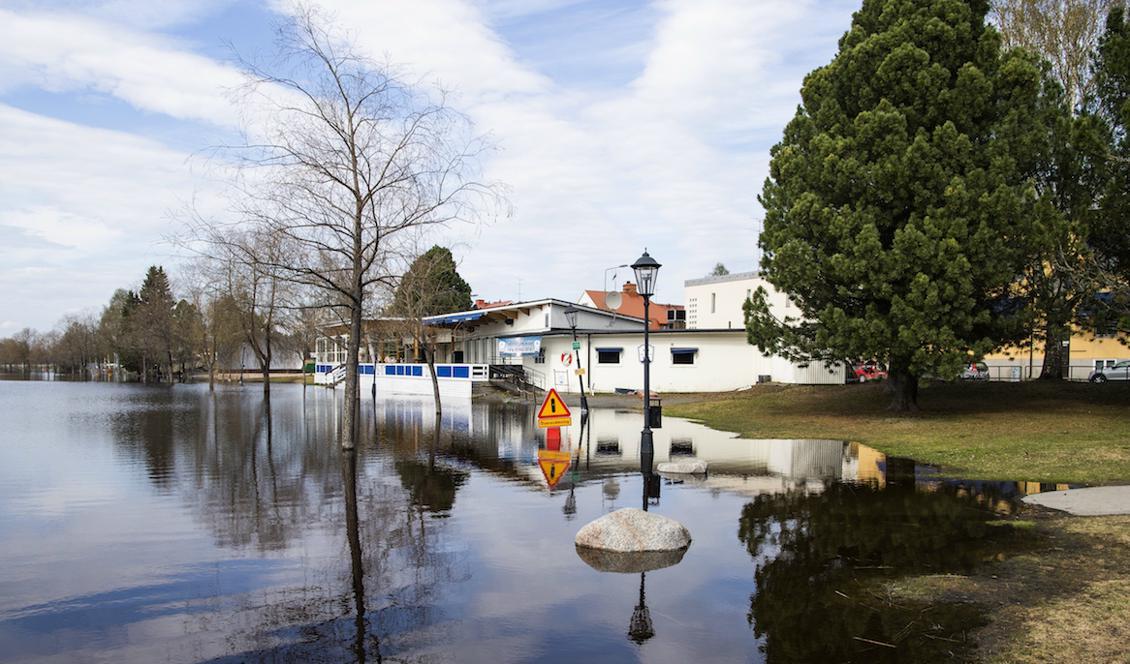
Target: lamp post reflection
(640, 628)
(570, 508)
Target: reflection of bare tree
(360, 629)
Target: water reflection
(811, 549)
(168, 524)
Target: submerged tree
(348, 166)
(899, 212)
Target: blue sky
(617, 125)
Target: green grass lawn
(1037, 432)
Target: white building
(532, 340)
(716, 302)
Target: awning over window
(684, 351)
(454, 318)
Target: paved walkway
(1095, 501)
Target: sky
(615, 126)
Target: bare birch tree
(1064, 32)
(345, 161)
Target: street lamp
(571, 316)
(646, 269)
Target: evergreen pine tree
(900, 208)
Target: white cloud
(92, 207)
(672, 159)
(68, 52)
(136, 13)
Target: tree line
(955, 181)
(152, 335)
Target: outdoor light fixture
(646, 269)
(571, 316)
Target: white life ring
(566, 359)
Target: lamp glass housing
(571, 316)
(647, 270)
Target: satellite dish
(614, 300)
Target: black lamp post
(571, 316)
(646, 269)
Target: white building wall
(715, 303)
(723, 362)
(480, 344)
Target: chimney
(630, 289)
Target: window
(713, 302)
(683, 355)
(1104, 364)
(540, 358)
(608, 355)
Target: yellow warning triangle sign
(553, 407)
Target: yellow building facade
(1087, 353)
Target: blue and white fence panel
(455, 380)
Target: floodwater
(164, 524)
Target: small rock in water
(630, 530)
(683, 467)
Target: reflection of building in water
(502, 438)
(865, 464)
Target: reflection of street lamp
(571, 316)
(647, 269)
(640, 628)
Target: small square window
(682, 358)
(608, 357)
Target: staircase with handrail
(337, 375)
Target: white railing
(536, 378)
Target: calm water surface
(143, 524)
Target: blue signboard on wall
(519, 346)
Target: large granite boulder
(683, 467)
(630, 530)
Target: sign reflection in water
(163, 524)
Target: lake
(168, 524)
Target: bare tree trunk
(265, 363)
(902, 385)
(352, 389)
(430, 350)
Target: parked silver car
(975, 371)
(1120, 371)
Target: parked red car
(863, 372)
